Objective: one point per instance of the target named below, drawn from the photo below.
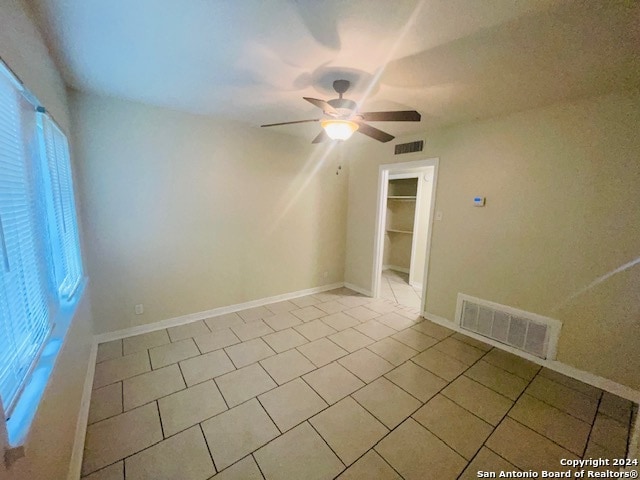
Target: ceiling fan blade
(400, 116)
(289, 123)
(374, 133)
(322, 137)
(326, 108)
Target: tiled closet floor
(334, 385)
(395, 286)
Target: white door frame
(378, 244)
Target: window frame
(62, 297)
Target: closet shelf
(402, 197)
(399, 231)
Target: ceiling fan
(342, 118)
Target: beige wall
(400, 216)
(186, 213)
(398, 246)
(50, 439)
(562, 210)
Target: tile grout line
(439, 392)
(269, 415)
(196, 344)
(542, 434)
(164, 439)
(307, 419)
(350, 395)
(235, 463)
(138, 374)
(320, 366)
(422, 404)
(157, 407)
(206, 442)
(311, 387)
(150, 401)
(206, 325)
(180, 431)
(630, 430)
(184, 380)
(392, 291)
(482, 385)
(257, 464)
(546, 402)
(410, 416)
(496, 391)
(499, 423)
(593, 422)
(160, 420)
(390, 429)
(226, 404)
(121, 399)
(421, 368)
(190, 386)
(327, 444)
(336, 361)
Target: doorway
(406, 200)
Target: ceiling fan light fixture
(339, 129)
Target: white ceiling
(253, 60)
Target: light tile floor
(395, 287)
(335, 385)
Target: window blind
(63, 224)
(25, 316)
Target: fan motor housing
(341, 86)
(343, 103)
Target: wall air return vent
(525, 331)
(409, 147)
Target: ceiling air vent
(409, 147)
(525, 331)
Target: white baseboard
(75, 465)
(568, 370)
(194, 317)
(358, 289)
(396, 268)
